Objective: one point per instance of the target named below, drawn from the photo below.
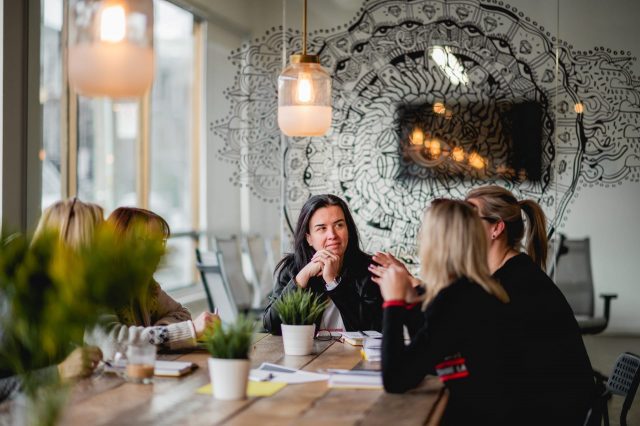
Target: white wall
(608, 216)
(1, 94)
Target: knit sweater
(158, 319)
(462, 340)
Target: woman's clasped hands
(323, 263)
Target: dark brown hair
(123, 218)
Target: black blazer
(357, 297)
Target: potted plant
(298, 311)
(50, 294)
(229, 364)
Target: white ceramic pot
(229, 378)
(298, 339)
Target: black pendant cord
(304, 28)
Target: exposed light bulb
(476, 161)
(112, 24)
(579, 108)
(457, 154)
(434, 148)
(417, 136)
(439, 108)
(304, 90)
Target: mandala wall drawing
(383, 59)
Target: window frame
(69, 136)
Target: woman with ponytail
(556, 367)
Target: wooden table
(108, 399)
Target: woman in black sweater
(327, 260)
(556, 371)
(463, 339)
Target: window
(51, 91)
(170, 148)
(129, 152)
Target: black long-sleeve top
(557, 378)
(463, 341)
(357, 298)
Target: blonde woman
(74, 220)
(462, 339)
(558, 374)
(155, 318)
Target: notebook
(356, 338)
(356, 379)
(161, 368)
(173, 368)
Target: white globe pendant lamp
(111, 47)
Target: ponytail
(536, 232)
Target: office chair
(624, 382)
(231, 260)
(216, 286)
(572, 274)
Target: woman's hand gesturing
(394, 281)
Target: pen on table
(356, 372)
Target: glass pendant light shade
(111, 47)
(304, 98)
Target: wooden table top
(108, 399)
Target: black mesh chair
(624, 382)
(572, 274)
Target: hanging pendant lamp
(304, 93)
(111, 47)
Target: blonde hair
(453, 245)
(75, 221)
(501, 204)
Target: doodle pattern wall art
(382, 58)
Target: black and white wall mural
(432, 98)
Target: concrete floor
(603, 352)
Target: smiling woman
(327, 260)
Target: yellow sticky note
(253, 389)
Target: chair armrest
(607, 303)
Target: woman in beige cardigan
(155, 318)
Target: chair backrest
(229, 249)
(624, 380)
(573, 276)
(216, 285)
(252, 248)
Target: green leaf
(300, 307)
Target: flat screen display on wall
(475, 140)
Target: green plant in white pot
(229, 365)
(299, 310)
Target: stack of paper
(356, 338)
(356, 379)
(279, 374)
(372, 349)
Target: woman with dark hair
(556, 367)
(328, 261)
